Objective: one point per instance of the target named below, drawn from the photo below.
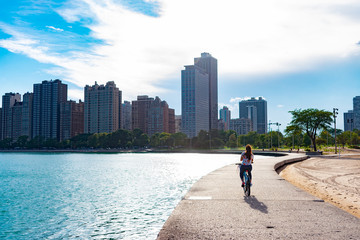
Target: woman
(247, 158)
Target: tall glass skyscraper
(8, 102)
(27, 110)
(46, 104)
(256, 110)
(356, 112)
(349, 120)
(225, 116)
(209, 65)
(194, 100)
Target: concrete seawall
(215, 208)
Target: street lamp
(278, 124)
(270, 134)
(335, 113)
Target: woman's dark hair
(248, 151)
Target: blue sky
(295, 54)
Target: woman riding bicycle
(247, 158)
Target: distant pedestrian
(246, 159)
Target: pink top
(245, 160)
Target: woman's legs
(249, 170)
(243, 168)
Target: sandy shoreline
(335, 180)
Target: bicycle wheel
(247, 188)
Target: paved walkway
(215, 208)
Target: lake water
(95, 196)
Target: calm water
(120, 196)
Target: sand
(335, 180)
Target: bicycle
(247, 184)
(246, 180)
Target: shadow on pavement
(255, 204)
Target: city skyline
(269, 52)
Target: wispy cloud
(233, 107)
(140, 51)
(280, 106)
(56, 29)
(239, 99)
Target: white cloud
(251, 37)
(280, 106)
(233, 107)
(239, 99)
(75, 94)
(56, 29)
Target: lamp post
(270, 142)
(278, 124)
(335, 113)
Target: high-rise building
(195, 100)
(177, 123)
(356, 112)
(349, 121)
(241, 125)
(225, 116)
(120, 109)
(8, 101)
(171, 120)
(161, 118)
(140, 112)
(16, 119)
(46, 103)
(126, 116)
(101, 108)
(152, 115)
(71, 119)
(209, 65)
(255, 110)
(1, 128)
(26, 121)
(158, 117)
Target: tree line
(308, 129)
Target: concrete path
(216, 208)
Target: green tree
(294, 133)
(179, 138)
(232, 141)
(93, 141)
(5, 143)
(155, 140)
(326, 137)
(343, 138)
(141, 141)
(80, 141)
(36, 142)
(306, 140)
(166, 140)
(310, 121)
(22, 141)
(354, 138)
(202, 140)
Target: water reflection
(121, 196)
